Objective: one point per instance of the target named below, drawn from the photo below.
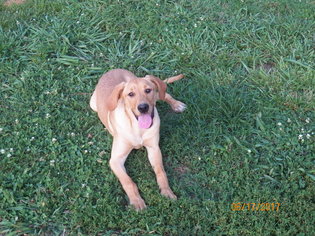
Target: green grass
(247, 135)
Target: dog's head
(139, 96)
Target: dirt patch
(267, 67)
(11, 2)
(182, 169)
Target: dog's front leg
(155, 158)
(120, 151)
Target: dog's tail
(173, 79)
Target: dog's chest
(137, 142)
(128, 129)
(140, 137)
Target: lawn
(240, 158)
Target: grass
(247, 135)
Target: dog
(126, 105)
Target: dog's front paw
(168, 193)
(178, 106)
(138, 203)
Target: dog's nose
(143, 108)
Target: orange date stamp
(242, 206)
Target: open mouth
(145, 120)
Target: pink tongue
(144, 121)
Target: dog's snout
(143, 108)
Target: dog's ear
(114, 96)
(161, 86)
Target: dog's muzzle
(143, 108)
(145, 120)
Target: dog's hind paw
(178, 106)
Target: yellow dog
(125, 104)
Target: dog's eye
(147, 90)
(131, 94)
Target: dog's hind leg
(176, 105)
(93, 102)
